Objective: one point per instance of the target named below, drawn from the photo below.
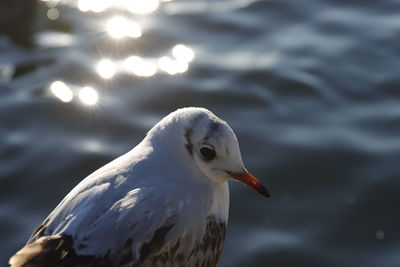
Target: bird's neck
(220, 201)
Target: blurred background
(312, 89)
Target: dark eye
(207, 153)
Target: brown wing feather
(206, 251)
(45, 251)
(52, 251)
(59, 251)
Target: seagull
(163, 203)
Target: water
(310, 87)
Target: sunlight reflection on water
(120, 26)
(106, 68)
(134, 6)
(171, 66)
(140, 6)
(65, 93)
(183, 55)
(88, 95)
(140, 67)
(94, 5)
(61, 91)
(183, 52)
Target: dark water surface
(312, 89)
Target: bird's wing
(102, 223)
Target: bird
(163, 203)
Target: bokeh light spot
(53, 13)
(140, 67)
(183, 52)
(88, 95)
(106, 68)
(119, 27)
(94, 5)
(171, 66)
(140, 6)
(84, 5)
(61, 91)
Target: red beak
(246, 178)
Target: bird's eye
(207, 152)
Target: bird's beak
(246, 178)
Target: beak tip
(251, 181)
(266, 193)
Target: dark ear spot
(189, 133)
(212, 128)
(189, 145)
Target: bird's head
(210, 144)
